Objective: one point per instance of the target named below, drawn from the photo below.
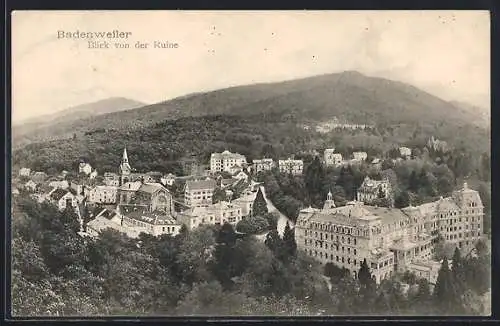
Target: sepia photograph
(250, 163)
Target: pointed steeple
(125, 157)
(125, 168)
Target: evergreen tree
(223, 266)
(259, 207)
(273, 241)
(313, 179)
(364, 275)
(457, 273)
(403, 200)
(367, 290)
(443, 291)
(289, 244)
(413, 182)
(381, 193)
(226, 235)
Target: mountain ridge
(351, 95)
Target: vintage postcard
(250, 163)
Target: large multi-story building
(265, 164)
(226, 161)
(103, 195)
(331, 158)
(111, 179)
(291, 166)
(370, 190)
(142, 219)
(153, 195)
(219, 214)
(389, 239)
(359, 156)
(84, 168)
(199, 193)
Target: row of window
(200, 192)
(459, 228)
(199, 198)
(465, 235)
(337, 238)
(319, 244)
(170, 229)
(332, 228)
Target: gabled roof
(141, 213)
(202, 184)
(132, 186)
(59, 193)
(151, 188)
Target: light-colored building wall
(226, 161)
(265, 164)
(389, 239)
(103, 195)
(359, 156)
(219, 213)
(291, 166)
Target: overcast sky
(445, 53)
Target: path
(281, 220)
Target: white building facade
(226, 161)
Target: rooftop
(227, 154)
(201, 184)
(59, 193)
(151, 188)
(388, 215)
(133, 186)
(140, 213)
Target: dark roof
(151, 188)
(58, 194)
(141, 213)
(202, 184)
(226, 182)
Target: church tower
(125, 168)
(329, 203)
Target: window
(354, 252)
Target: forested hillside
(349, 96)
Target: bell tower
(329, 203)
(125, 168)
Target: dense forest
(211, 271)
(160, 146)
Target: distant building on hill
(359, 156)
(291, 166)
(84, 168)
(405, 152)
(24, 172)
(226, 161)
(331, 158)
(265, 164)
(370, 190)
